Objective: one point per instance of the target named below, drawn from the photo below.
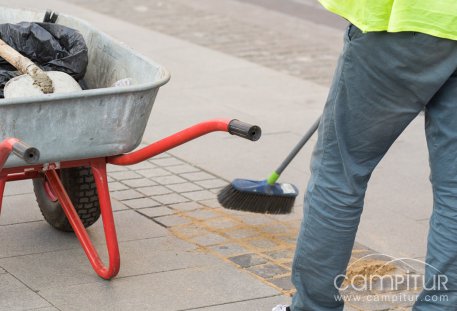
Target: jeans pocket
(353, 32)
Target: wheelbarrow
(75, 135)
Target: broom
(265, 196)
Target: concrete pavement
(175, 239)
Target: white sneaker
(281, 308)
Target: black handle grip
(28, 154)
(245, 130)
(50, 17)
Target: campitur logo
(377, 277)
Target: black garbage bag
(50, 46)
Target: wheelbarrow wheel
(80, 185)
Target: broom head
(258, 196)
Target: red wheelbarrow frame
(98, 167)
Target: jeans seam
(325, 139)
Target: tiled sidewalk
(182, 198)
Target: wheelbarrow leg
(23, 151)
(2, 190)
(6, 147)
(98, 167)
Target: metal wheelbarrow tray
(90, 129)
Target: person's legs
(441, 270)
(382, 82)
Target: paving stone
(202, 214)
(19, 209)
(167, 162)
(211, 203)
(199, 195)
(216, 190)
(186, 206)
(115, 168)
(129, 226)
(16, 296)
(169, 180)
(161, 156)
(292, 217)
(276, 228)
(142, 166)
(124, 175)
(248, 260)
(197, 176)
(212, 183)
(118, 205)
(246, 214)
(18, 187)
(360, 253)
(171, 198)
(257, 219)
(184, 187)
(154, 190)
(153, 172)
(161, 254)
(287, 264)
(263, 244)
(156, 211)
(229, 250)
(290, 240)
(172, 220)
(281, 254)
(285, 283)
(136, 183)
(189, 230)
(185, 168)
(221, 223)
(141, 203)
(116, 186)
(209, 239)
(268, 271)
(242, 233)
(33, 237)
(358, 246)
(126, 194)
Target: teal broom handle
(275, 175)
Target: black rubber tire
(80, 185)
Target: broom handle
(26, 66)
(20, 62)
(275, 175)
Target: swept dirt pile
(365, 269)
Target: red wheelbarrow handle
(234, 127)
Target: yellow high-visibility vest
(434, 17)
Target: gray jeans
(382, 82)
